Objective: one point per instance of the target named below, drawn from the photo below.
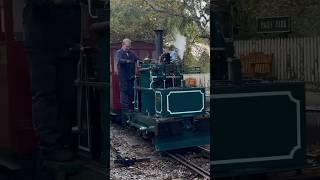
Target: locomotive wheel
(146, 135)
(139, 132)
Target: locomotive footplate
(179, 135)
(172, 133)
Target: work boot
(59, 155)
(124, 124)
(123, 119)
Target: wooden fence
(293, 58)
(202, 80)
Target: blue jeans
(126, 96)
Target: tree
(191, 18)
(188, 11)
(128, 20)
(136, 19)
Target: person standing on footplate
(126, 61)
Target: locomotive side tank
(172, 115)
(166, 110)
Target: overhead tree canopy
(187, 11)
(136, 19)
(128, 20)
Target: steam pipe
(158, 41)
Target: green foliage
(136, 19)
(189, 60)
(204, 62)
(128, 21)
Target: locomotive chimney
(158, 41)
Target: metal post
(158, 41)
(222, 41)
(234, 70)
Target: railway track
(189, 164)
(204, 149)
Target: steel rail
(189, 164)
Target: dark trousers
(126, 94)
(53, 98)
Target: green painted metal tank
(259, 126)
(168, 111)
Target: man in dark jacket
(126, 60)
(52, 27)
(165, 56)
